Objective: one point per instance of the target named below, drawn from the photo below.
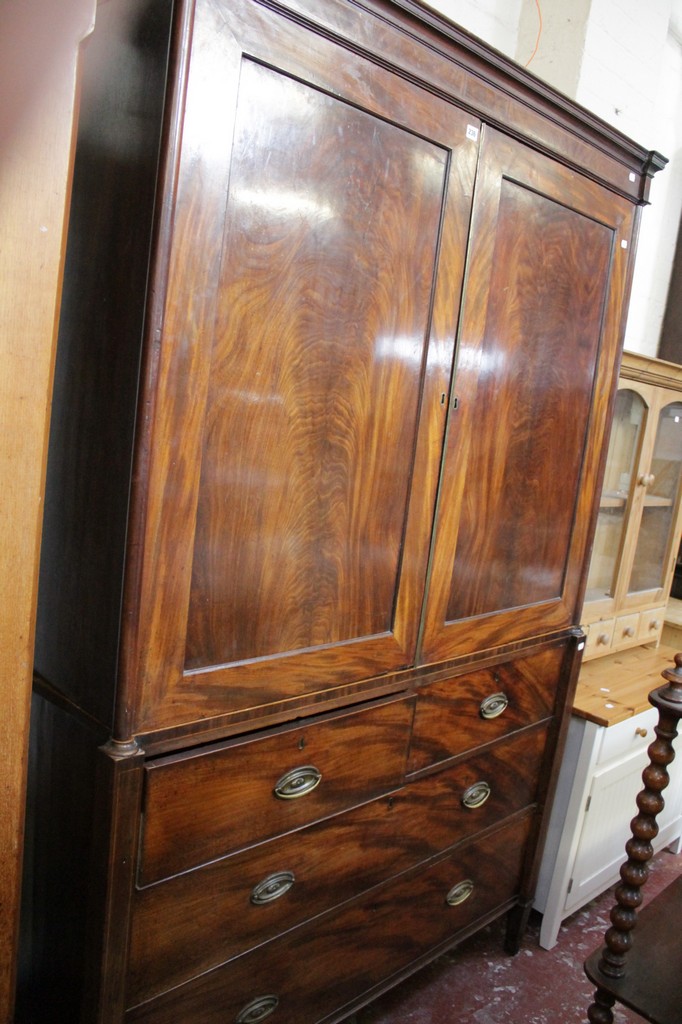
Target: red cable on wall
(537, 41)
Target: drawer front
(625, 737)
(202, 805)
(468, 710)
(332, 961)
(599, 638)
(196, 920)
(651, 625)
(626, 631)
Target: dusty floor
(479, 984)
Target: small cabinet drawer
(201, 918)
(626, 631)
(599, 638)
(481, 790)
(306, 974)
(476, 707)
(628, 736)
(651, 625)
(201, 805)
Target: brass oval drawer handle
(476, 795)
(257, 1010)
(459, 893)
(494, 705)
(272, 887)
(298, 782)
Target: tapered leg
(517, 922)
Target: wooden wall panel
(38, 67)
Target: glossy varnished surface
(535, 364)
(334, 960)
(313, 402)
(313, 216)
(536, 369)
(300, 393)
(202, 805)
(448, 717)
(201, 918)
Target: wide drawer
(468, 710)
(202, 804)
(333, 960)
(192, 922)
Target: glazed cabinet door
(627, 461)
(316, 210)
(656, 518)
(536, 361)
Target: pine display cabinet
(640, 511)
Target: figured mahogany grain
(537, 366)
(316, 252)
(315, 374)
(199, 919)
(536, 362)
(448, 717)
(202, 804)
(320, 967)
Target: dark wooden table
(652, 985)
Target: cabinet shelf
(651, 501)
(609, 501)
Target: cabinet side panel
(98, 350)
(60, 816)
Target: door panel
(316, 247)
(315, 374)
(627, 447)
(538, 340)
(657, 538)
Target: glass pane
(653, 542)
(619, 478)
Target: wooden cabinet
(638, 527)
(343, 302)
(606, 752)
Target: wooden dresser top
(616, 687)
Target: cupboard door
(657, 537)
(316, 238)
(627, 450)
(537, 346)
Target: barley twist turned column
(635, 871)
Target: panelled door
(538, 342)
(316, 208)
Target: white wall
(561, 45)
(494, 21)
(660, 220)
(631, 76)
(621, 59)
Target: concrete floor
(479, 984)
